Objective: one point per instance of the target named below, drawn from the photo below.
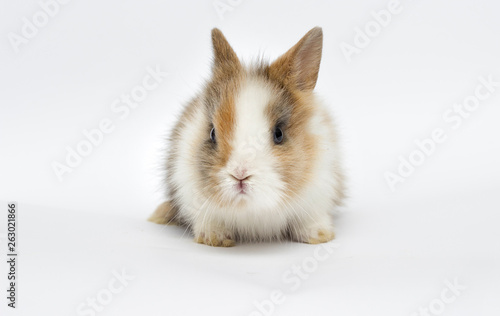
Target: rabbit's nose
(240, 178)
(240, 174)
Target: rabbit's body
(255, 155)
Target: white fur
(184, 172)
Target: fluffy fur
(243, 185)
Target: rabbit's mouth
(241, 187)
(241, 192)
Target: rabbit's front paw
(320, 236)
(215, 239)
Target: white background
(395, 250)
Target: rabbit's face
(259, 141)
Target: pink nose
(240, 174)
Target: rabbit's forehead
(251, 111)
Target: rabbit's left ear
(298, 68)
(226, 61)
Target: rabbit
(254, 156)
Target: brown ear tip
(316, 31)
(216, 32)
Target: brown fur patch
(224, 121)
(292, 111)
(222, 117)
(219, 98)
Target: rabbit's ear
(298, 68)
(225, 60)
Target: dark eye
(278, 135)
(212, 135)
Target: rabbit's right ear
(298, 68)
(225, 60)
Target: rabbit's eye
(212, 135)
(278, 136)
